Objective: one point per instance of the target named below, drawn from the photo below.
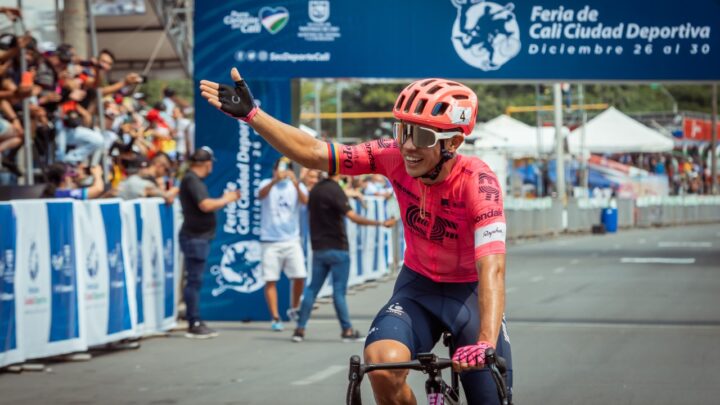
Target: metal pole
(98, 90)
(538, 127)
(713, 142)
(338, 122)
(318, 128)
(28, 143)
(583, 151)
(559, 144)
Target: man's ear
(455, 143)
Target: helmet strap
(445, 155)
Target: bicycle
(437, 390)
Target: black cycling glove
(237, 101)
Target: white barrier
(72, 275)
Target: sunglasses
(422, 137)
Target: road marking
(574, 261)
(559, 270)
(685, 244)
(320, 375)
(659, 260)
(537, 279)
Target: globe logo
(92, 261)
(239, 269)
(485, 35)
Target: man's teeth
(412, 159)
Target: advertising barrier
(70, 272)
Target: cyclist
(454, 272)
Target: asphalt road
(629, 318)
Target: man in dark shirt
(328, 206)
(197, 230)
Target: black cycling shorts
(420, 310)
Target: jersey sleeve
(378, 156)
(485, 205)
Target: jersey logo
(396, 309)
(443, 228)
(415, 221)
(385, 143)
(489, 186)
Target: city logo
(239, 269)
(92, 261)
(7, 264)
(114, 261)
(319, 10)
(485, 34)
(243, 21)
(33, 261)
(274, 19)
(62, 261)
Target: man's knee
(387, 351)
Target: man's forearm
(291, 142)
(491, 300)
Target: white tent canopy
(614, 132)
(506, 134)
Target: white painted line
(537, 279)
(559, 270)
(659, 260)
(574, 261)
(685, 244)
(320, 375)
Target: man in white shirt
(282, 197)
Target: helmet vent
(440, 109)
(421, 106)
(426, 82)
(410, 100)
(434, 89)
(399, 103)
(460, 97)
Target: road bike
(438, 392)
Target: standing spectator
(281, 198)
(328, 208)
(196, 232)
(378, 187)
(63, 183)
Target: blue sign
(167, 221)
(64, 322)
(468, 39)
(8, 325)
(118, 305)
(139, 259)
(233, 286)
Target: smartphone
(282, 166)
(27, 79)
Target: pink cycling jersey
(448, 225)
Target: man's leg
(271, 299)
(340, 270)
(320, 272)
(271, 263)
(389, 386)
(295, 270)
(195, 253)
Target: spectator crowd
(88, 132)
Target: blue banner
(8, 244)
(139, 258)
(469, 39)
(118, 306)
(233, 286)
(64, 322)
(167, 221)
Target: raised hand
(236, 102)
